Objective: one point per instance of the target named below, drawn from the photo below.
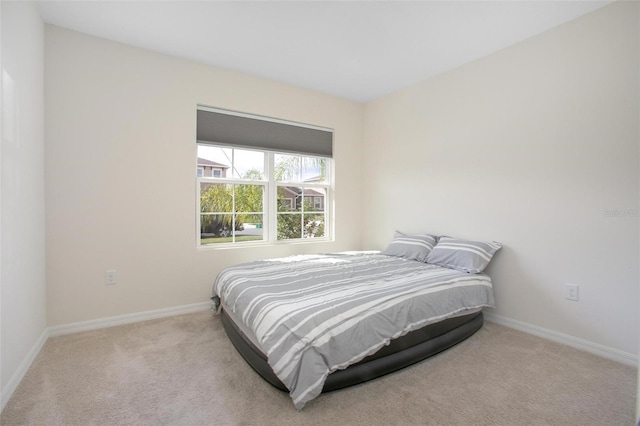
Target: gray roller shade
(227, 129)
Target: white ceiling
(358, 50)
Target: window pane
(249, 198)
(289, 198)
(314, 169)
(250, 227)
(215, 228)
(248, 164)
(314, 199)
(216, 198)
(289, 225)
(314, 225)
(300, 168)
(287, 168)
(214, 161)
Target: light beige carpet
(184, 371)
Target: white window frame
(270, 204)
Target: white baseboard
(59, 330)
(565, 339)
(19, 374)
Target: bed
(315, 323)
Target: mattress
(315, 314)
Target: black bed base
(401, 352)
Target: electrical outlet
(571, 292)
(111, 277)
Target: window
(263, 195)
(200, 171)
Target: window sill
(231, 246)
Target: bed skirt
(413, 347)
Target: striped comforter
(314, 314)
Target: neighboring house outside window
(291, 196)
(211, 168)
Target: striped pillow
(463, 255)
(412, 247)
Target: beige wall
(530, 146)
(22, 314)
(120, 173)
